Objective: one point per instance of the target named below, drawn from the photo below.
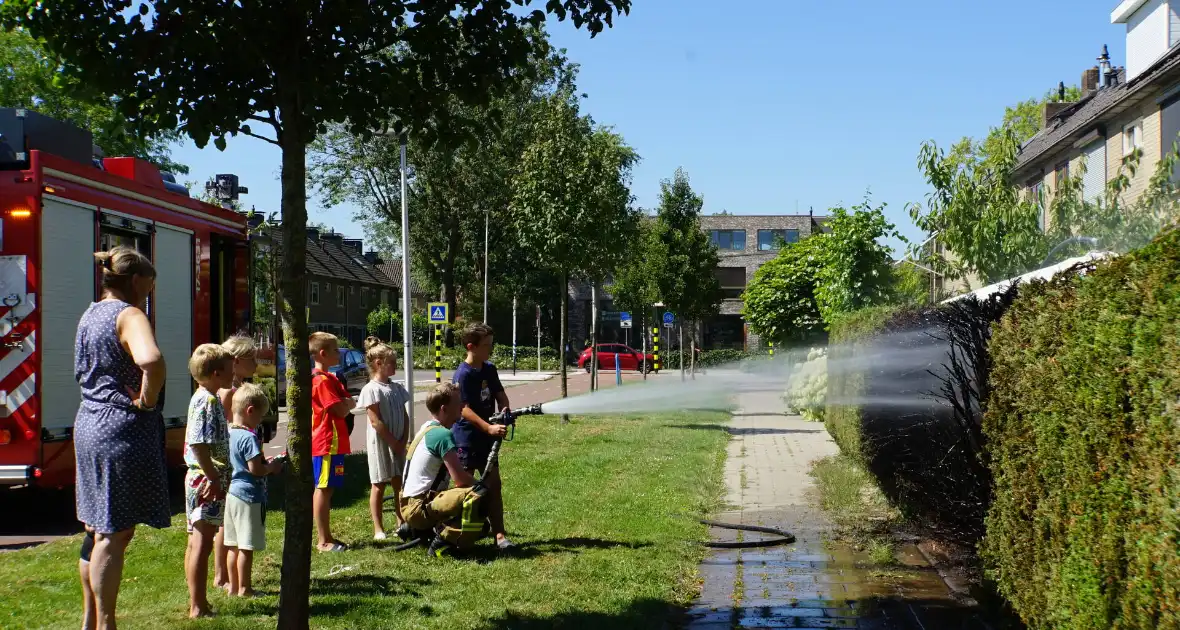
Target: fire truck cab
(58, 205)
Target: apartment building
(744, 243)
(1122, 110)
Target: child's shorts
(195, 509)
(244, 527)
(328, 471)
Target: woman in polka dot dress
(119, 433)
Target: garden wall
(1084, 433)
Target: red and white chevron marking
(18, 341)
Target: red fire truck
(58, 205)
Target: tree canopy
(454, 183)
(793, 297)
(993, 229)
(672, 260)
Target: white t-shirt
(427, 460)
(391, 399)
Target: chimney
(355, 245)
(332, 237)
(1051, 111)
(1104, 67)
(1112, 77)
(313, 234)
(373, 257)
(1090, 80)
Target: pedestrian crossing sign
(436, 312)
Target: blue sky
(773, 105)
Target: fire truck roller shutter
(67, 288)
(174, 316)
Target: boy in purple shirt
(480, 391)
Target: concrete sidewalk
(816, 582)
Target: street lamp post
(407, 315)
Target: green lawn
(602, 509)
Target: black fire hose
(784, 538)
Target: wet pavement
(816, 582)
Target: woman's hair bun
(103, 259)
(371, 342)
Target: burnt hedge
(1084, 433)
(904, 392)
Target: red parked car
(610, 353)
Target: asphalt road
(34, 516)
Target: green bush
(848, 331)
(1083, 427)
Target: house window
(1132, 137)
(1170, 132)
(364, 297)
(773, 239)
(340, 295)
(1060, 174)
(732, 281)
(385, 297)
(1038, 196)
(315, 294)
(728, 239)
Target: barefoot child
(245, 506)
(330, 405)
(242, 348)
(386, 403)
(206, 453)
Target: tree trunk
(692, 357)
(295, 582)
(562, 337)
(680, 346)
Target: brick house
(344, 286)
(1122, 110)
(393, 270)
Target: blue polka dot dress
(121, 470)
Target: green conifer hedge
(1083, 432)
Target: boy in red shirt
(330, 406)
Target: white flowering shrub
(807, 386)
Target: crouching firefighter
(449, 517)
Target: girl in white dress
(387, 406)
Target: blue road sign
(669, 319)
(624, 319)
(436, 312)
